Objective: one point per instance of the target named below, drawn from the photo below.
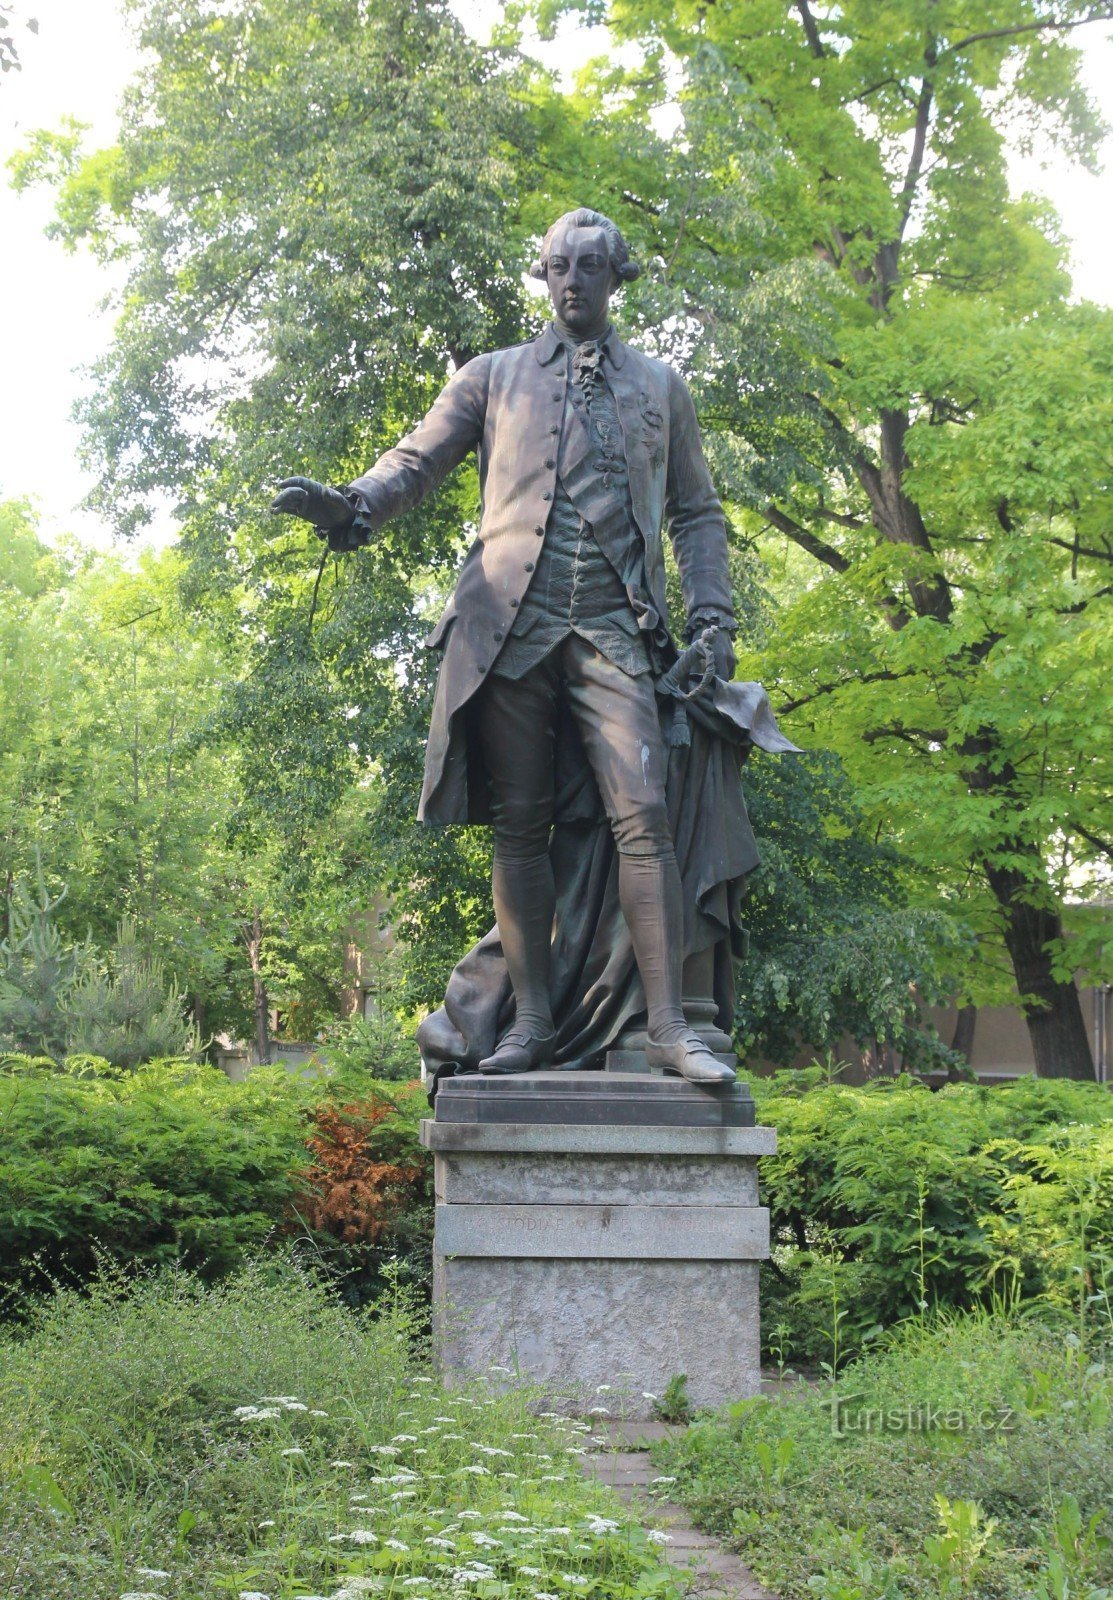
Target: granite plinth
(584, 1252)
(604, 1098)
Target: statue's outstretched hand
(330, 512)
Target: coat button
(550, 462)
(539, 528)
(557, 395)
(496, 637)
(513, 605)
(546, 496)
(481, 667)
(529, 566)
(555, 428)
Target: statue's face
(580, 277)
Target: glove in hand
(327, 509)
(722, 648)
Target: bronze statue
(559, 691)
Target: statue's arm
(696, 524)
(448, 432)
(402, 477)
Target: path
(626, 1467)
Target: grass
(972, 1456)
(256, 1438)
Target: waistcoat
(592, 552)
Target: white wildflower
(599, 1411)
(601, 1525)
(423, 1380)
(440, 1544)
(151, 1572)
(396, 1544)
(564, 1532)
(382, 1450)
(483, 1539)
(575, 1579)
(246, 1411)
(339, 1464)
(281, 1400)
(140, 1594)
(268, 1522)
(541, 1595)
(404, 1438)
(294, 1450)
(318, 1413)
(469, 1515)
(363, 1536)
(530, 1572)
(479, 1472)
(602, 1388)
(647, 1396)
(253, 1594)
(293, 1405)
(512, 1516)
(444, 1419)
(662, 1480)
(655, 1536)
(404, 1494)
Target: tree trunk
(262, 999)
(963, 1037)
(1052, 1009)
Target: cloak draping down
(596, 991)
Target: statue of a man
(587, 448)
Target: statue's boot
(525, 902)
(652, 903)
(519, 1051)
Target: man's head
(584, 258)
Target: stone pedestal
(598, 1228)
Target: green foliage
(40, 975)
(971, 1456)
(171, 1163)
(891, 1201)
(834, 948)
(674, 1403)
(236, 1440)
(124, 1012)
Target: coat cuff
(709, 617)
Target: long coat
(510, 408)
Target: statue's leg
(618, 723)
(515, 722)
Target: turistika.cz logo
(849, 1416)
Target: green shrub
(170, 1164)
(972, 1455)
(256, 1437)
(891, 1200)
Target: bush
(972, 1456)
(176, 1164)
(259, 1438)
(890, 1200)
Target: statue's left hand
(722, 648)
(327, 509)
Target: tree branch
(883, 676)
(807, 541)
(1082, 549)
(815, 43)
(1041, 25)
(1099, 844)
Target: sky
(55, 324)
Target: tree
(942, 474)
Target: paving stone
(713, 1572)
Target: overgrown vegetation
(971, 1457)
(892, 1201)
(174, 1164)
(257, 1438)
